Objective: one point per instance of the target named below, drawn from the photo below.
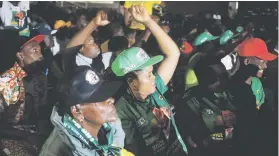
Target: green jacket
(138, 120)
(61, 143)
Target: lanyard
(170, 116)
(175, 128)
(85, 137)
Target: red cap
(38, 39)
(187, 48)
(255, 47)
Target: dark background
(193, 7)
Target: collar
(83, 60)
(76, 130)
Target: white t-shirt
(56, 48)
(107, 56)
(83, 60)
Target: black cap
(165, 20)
(86, 86)
(117, 43)
(10, 44)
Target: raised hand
(101, 19)
(139, 13)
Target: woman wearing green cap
(145, 114)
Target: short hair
(129, 32)
(116, 27)
(132, 75)
(118, 43)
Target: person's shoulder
(161, 86)
(121, 103)
(121, 106)
(56, 144)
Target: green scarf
(88, 140)
(258, 90)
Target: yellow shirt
(148, 5)
(191, 79)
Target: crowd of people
(131, 82)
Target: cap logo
(92, 77)
(227, 38)
(141, 55)
(129, 68)
(204, 39)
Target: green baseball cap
(204, 37)
(225, 37)
(258, 91)
(133, 59)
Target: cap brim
(268, 57)
(107, 90)
(53, 32)
(38, 39)
(151, 61)
(211, 38)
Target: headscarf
(11, 85)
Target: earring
(111, 101)
(247, 61)
(81, 121)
